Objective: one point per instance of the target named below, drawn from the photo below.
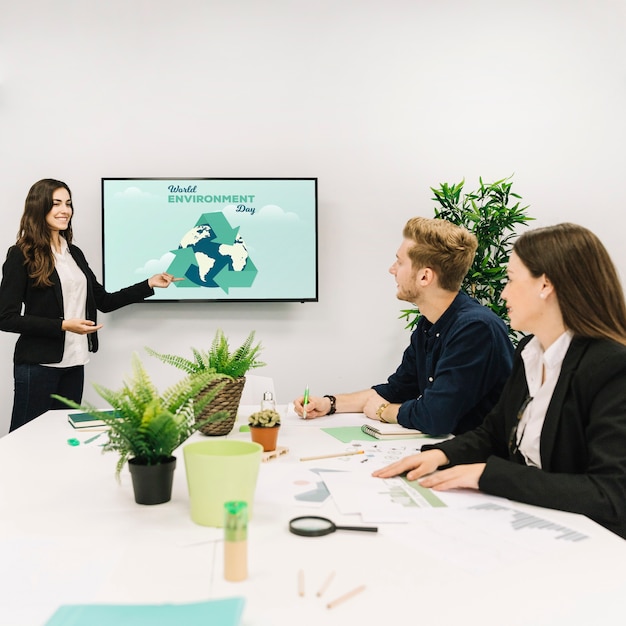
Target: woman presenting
(557, 436)
(50, 296)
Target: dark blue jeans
(35, 383)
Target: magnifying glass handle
(367, 529)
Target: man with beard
(459, 357)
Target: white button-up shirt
(74, 289)
(542, 372)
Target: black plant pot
(152, 484)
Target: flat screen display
(230, 239)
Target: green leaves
(267, 418)
(149, 425)
(493, 215)
(219, 359)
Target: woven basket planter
(227, 399)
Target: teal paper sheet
(225, 612)
(346, 434)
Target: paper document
(487, 536)
(376, 499)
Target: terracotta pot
(266, 436)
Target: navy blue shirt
(453, 371)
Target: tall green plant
(492, 212)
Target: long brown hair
(33, 238)
(587, 286)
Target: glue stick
(235, 541)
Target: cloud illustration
(154, 266)
(268, 212)
(134, 193)
(274, 212)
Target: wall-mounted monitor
(230, 239)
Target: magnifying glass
(314, 526)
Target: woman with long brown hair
(557, 437)
(50, 296)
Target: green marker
(305, 401)
(92, 438)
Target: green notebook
(87, 420)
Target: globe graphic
(213, 254)
(208, 256)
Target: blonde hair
(443, 246)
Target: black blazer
(583, 441)
(39, 324)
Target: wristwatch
(380, 410)
(333, 404)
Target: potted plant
(146, 427)
(264, 427)
(231, 364)
(492, 213)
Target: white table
(71, 534)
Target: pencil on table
(325, 585)
(92, 438)
(301, 583)
(345, 596)
(331, 456)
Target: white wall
(379, 100)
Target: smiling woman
(50, 297)
(59, 216)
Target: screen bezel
(156, 298)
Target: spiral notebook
(381, 430)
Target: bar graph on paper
(521, 520)
(487, 535)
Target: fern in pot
(231, 364)
(147, 426)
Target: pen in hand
(305, 401)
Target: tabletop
(71, 534)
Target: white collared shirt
(74, 289)
(536, 362)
